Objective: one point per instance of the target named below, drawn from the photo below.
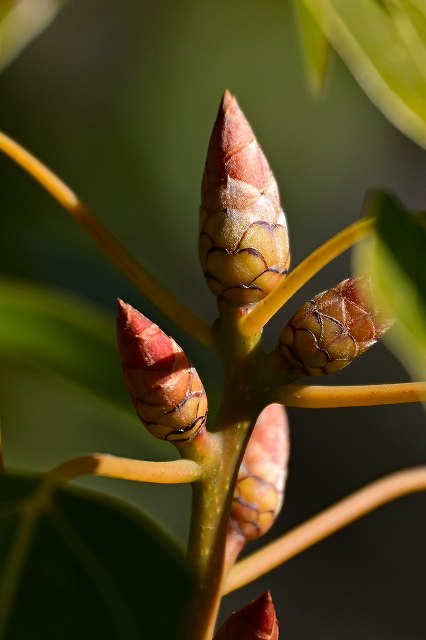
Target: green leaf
(60, 335)
(316, 48)
(384, 45)
(20, 22)
(73, 565)
(396, 258)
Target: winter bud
(165, 389)
(331, 330)
(258, 494)
(256, 621)
(244, 247)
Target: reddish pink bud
(244, 248)
(256, 621)
(258, 494)
(165, 389)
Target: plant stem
(212, 496)
(321, 526)
(313, 397)
(254, 321)
(99, 464)
(116, 252)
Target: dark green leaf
(396, 259)
(63, 336)
(384, 45)
(73, 565)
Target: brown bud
(332, 329)
(165, 389)
(256, 621)
(244, 247)
(258, 494)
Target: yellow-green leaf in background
(20, 22)
(316, 48)
(384, 46)
(396, 259)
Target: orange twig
(252, 323)
(313, 397)
(326, 523)
(116, 252)
(99, 464)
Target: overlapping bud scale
(165, 389)
(244, 248)
(258, 494)
(331, 330)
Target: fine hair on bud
(258, 494)
(166, 390)
(244, 247)
(328, 332)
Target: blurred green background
(119, 99)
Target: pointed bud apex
(256, 621)
(258, 494)
(331, 330)
(244, 248)
(165, 389)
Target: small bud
(244, 249)
(165, 389)
(256, 621)
(258, 494)
(332, 329)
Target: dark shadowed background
(119, 99)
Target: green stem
(212, 495)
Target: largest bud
(244, 247)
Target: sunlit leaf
(73, 565)
(63, 336)
(20, 22)
(383, 44)
(396, 258)
(316, 48)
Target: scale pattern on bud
(331, 330)
(256, 621)
(165, 389)
(258, 494)
(244, 248)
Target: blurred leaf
(73, 565)
(63, 336)
(316, 48)
(384, 45)
(396, 259)
(20, 22)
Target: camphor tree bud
(256, 621)
(332, 329)
(244, 247)
(258, 494)
(165, 389)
